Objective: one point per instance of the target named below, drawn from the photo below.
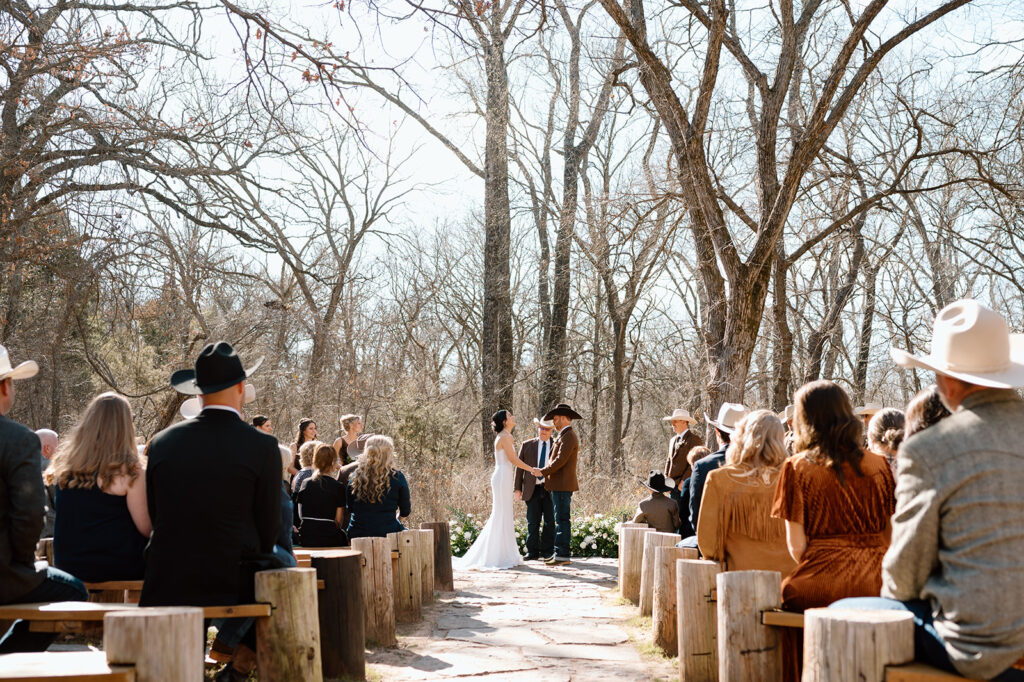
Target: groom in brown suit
(560, 478)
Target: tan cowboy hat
(972, 343)
(544, 423)
(679, 415)
(787, 414)
(868, 409)
(191, 408)
(729, 415)
(25, 370)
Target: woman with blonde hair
(735, 524)
(351, 427)
(305, 455)
(102, 522)
(377, 492)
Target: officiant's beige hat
(868, 409)
(972, 343)
(729, 415)
(787, 414)
(25, 370)
(679, 415)
(544, 423)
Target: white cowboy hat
(972, 343)
(729, 415)
(868, 409)
(25, 370)
(545, 423)
(787, 414)
(679, 415)
(191, 408)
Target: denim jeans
(540, 543)
(57, 586)
(230, 631)
(561, 501)
(928, 645)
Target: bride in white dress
(496, 545)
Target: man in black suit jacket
(214, 493)
(536, 452)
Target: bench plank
(918, 672)
(75, 611)
(782, 619)
(64, 666)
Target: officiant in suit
(560, 478)
(683, 440)
(537, 452)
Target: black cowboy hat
(217, 367)
(657, 482)
(564, 410)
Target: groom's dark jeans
(563, 529)
(540, 543)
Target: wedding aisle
(532, 623)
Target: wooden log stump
(44, 550)
(623, 525)
(697, 619)
(631, 560)
(340, 607)
(378, 600)
(288, 642)
(443, 576)
(652, 541)
(425, 550)
(840, 644)
(748, 649)
(664, 615)
(164, 644)
(407, 585)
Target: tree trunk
(832, 320)
(782, 356)
(618, 384)
(860, 374)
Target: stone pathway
(531, 623)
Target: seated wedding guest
(262, 422)
(320, 503)
(736, 526)
(306, 464)
(48, 440)
(21, 520)
(924, 409)
(836, 500)
(102, 523)
(692, 457)
(657, 511)
(351, 427)
(307, 432)
(955, 562)
(377, 492)
(214, 491)
(885, 433)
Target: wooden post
(164, 644)
(288, 643)
(651, 541)
(697, 619)
(664, 610)
(443, 579)
(408, 587)
(622, 526)
(748, 649)
(425, 550)
(340, 606)
(841, 644)
(378, 600)
(631, 557)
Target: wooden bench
(72, 616)
(128, 591)
(72, 666)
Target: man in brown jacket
(683, 440)
(560, 478)
(537, 453)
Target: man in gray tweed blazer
(957, 555)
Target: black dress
(94, 537)
(319, 499)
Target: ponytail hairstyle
(324, 458)
(885, 430)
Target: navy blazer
(701, 469)
(21, 510)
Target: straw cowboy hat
(679, 415)
(868, 409)
(729, 415)
(972, 343)
(544, 423)
(217, 367)
(25, 370)
(564, 410)
(787, 414)
(191, 408)
(656, 482)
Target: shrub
(592, 536)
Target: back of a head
(259, 420)
(758, 443)
(924, 410)
(306, 451)
(885, 431)
(101, 444)
(47, 438)
(286, 461)
(825, 426)
(323, 459)
(697, 453)
(372, 478)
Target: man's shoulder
(712, 461)
(13, 430)
(17, 438)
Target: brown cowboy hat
(564, 410)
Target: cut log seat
(64, 666)
(782, 619)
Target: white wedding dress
(496, 545)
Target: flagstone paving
(556, 624)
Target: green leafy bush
(596, 535)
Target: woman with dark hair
(321, 502)
(885, 433)
(837, 501)
(924, 409)
(307, 432)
